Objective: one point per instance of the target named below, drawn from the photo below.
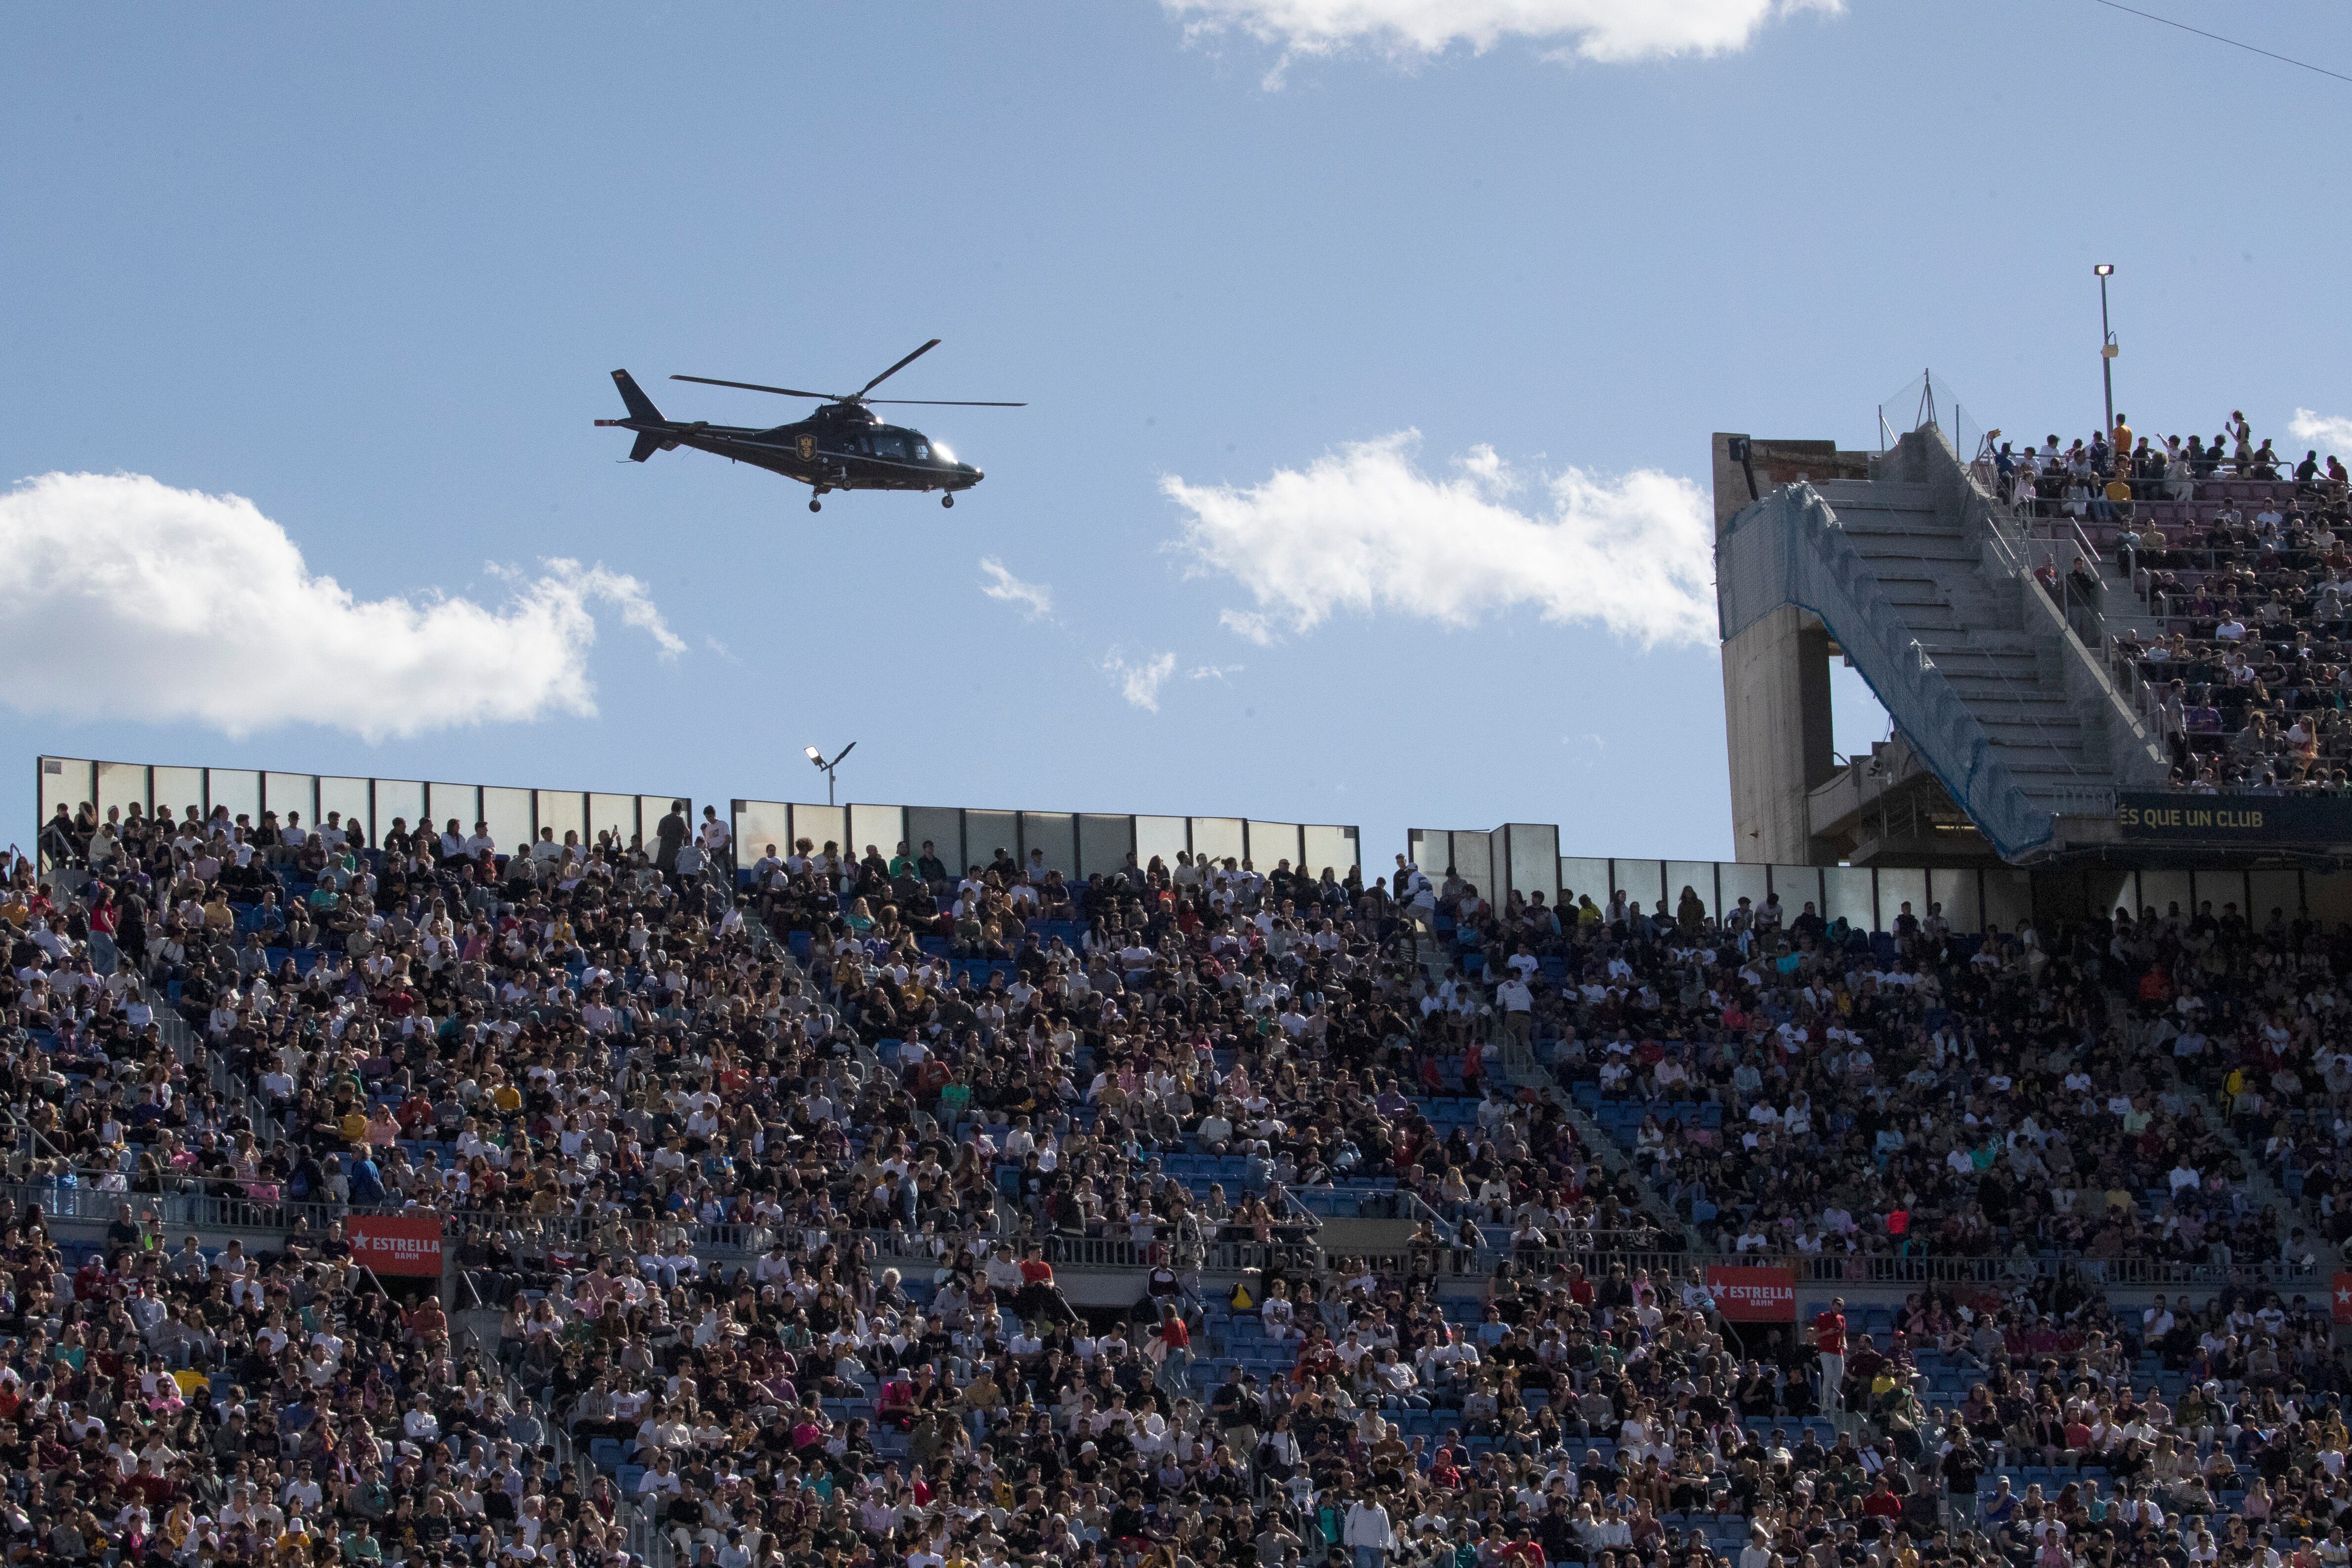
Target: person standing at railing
(1829, 1343)
(2173, 716)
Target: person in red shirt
(1882, 1503)
(1521, 1552)
(1039, 1297)
(1828, 1339)
(1175, 1356)
(1579, 1289)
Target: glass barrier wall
(1897, 888)
(823, 825)
(879, 827)
(1050, 839)
(2169, 893)
(237, 791)
(1332, 848)
(2008, 898)
(458, 803)
(2273, 892)
(1271, 843)
(67, 783)
(1737, 880)
(120, 786)
(1078, 845)
(509, 813)
(1531, 860)
(1961, 894)
(1219, 839)
(558, 810)
(1104, 843)
(942, 827)
(1430, 849)
(1796, 887)
(280, 792)
(1162, 839)
(986, 833)
(1643, 879)
(182, 790)
(1850, 890)
(1700, 877)
(1517, 857)
(399, 803)
(613, 814)
(352, 799)
(370, 806)
(1582, 876)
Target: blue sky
(368, 269)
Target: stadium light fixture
(2108, 348)
(816, 759)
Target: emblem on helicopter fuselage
(808, 448)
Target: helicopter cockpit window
(922, 452)
(889, 445)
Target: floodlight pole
(817, 758)
(2106, 344)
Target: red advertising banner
(395, 1244)
(1753, 1295)
(2342, 1297)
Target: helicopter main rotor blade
(754, 386)
(942, 403)
(894, 370)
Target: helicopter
(840, 446)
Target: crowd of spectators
(1794, 1087)
(2243, 562)
(766, 1178)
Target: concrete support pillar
(1776, 716)
(1776, 674)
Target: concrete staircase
(2260, 1190)
(1522, 1071)
(1969, 629)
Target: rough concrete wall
(1776, 716)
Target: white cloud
(1034, 599)
(2321, 430)
(1363, 529)
(721, 649)
(1247, 624)
(1141, 683)
(125, 597)
(1607, 31)
(1211, 671)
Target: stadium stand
(2231, 568)
(817, 1208)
